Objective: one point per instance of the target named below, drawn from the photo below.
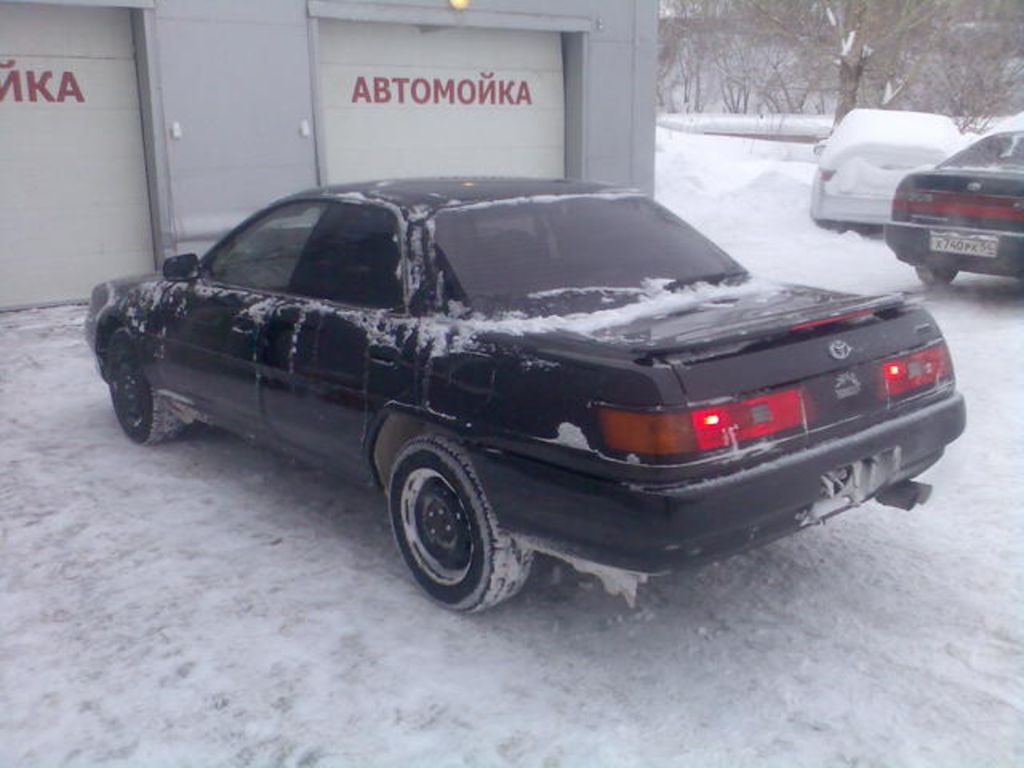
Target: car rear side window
(510, 250)
(264, 254)
(352, 258)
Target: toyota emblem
(974, 186)
(839, 349)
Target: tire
(447, 532)
(145, 417)
(935, 276)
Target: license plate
(986, 246)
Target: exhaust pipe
(905, 495)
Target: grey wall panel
(237, 91)
(262, 11)
(644, 93)
(574, 64)
(609, 129)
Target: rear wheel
(935, 276)
(447, 532)
(144, 416)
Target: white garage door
(405, 101)
(73, 198)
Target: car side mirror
(185, 266)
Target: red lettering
(466, 97)
(444, 89)
(524, 93)
(361, 91)
(401, 83)
(381, 90)
(37, 87)
(505, 92)
(11, 83)
(420, 91)
(486, 88)
(69, 88)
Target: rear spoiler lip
(752, 330)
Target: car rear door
(214, 324)
(334, 352)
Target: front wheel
(935, 276)
(447, 532)
(144, 416)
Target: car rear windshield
(1004, 150)
(506, 252)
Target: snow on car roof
(891, 131)
(434, 193)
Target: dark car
(966, 215)
(534, 366)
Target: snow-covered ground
(206, 604)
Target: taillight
(904, 198)
(667, 433)
(916, 371)
(739, 422)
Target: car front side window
(264, 254)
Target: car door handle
(385, 356)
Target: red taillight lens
(733, 423)
(703, 429)
(917, 370)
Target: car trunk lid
(828, 346)
(978, 200)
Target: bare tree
(964, 58)
(976, 70)
(857, 37)
(687, 38)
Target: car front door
(335, 352)
(214, 324)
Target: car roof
(436, 193)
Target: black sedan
(966, 215)
(534, 366)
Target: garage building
(136, 129)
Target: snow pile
(752, 201)
(781, 125)
(861, 176)
(908, 138)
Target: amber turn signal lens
(646, 433)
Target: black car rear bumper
(912, 244)
(652, 529)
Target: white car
(867, 156)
